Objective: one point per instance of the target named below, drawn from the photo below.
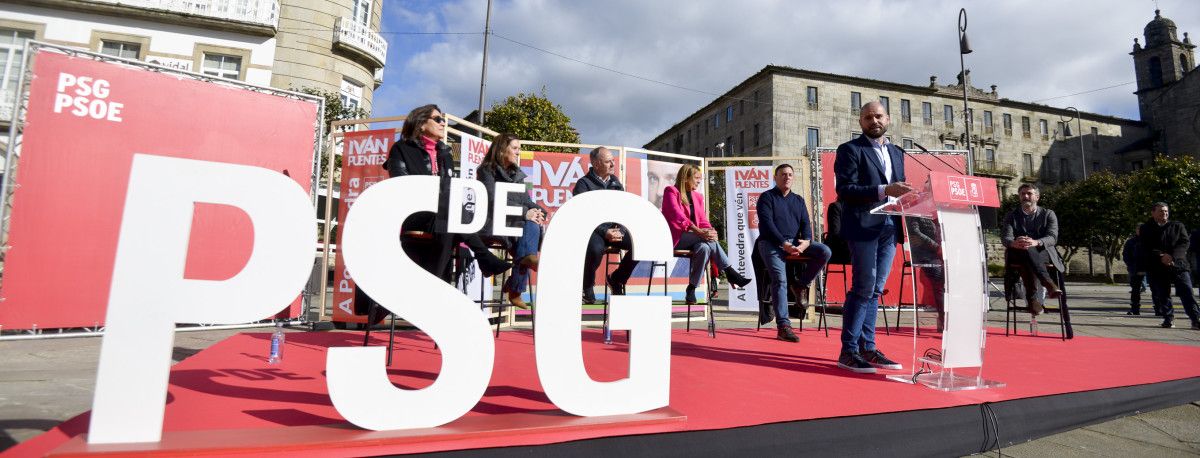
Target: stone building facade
(783, 111)
(333, 45)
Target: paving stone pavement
(47, 381)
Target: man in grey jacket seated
(1029, 234)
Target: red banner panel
(363, 155)
(85, 122)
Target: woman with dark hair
(501, 165)
(421, 151)
(683, 208)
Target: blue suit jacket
(859, 174)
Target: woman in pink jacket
(683, 208)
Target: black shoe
(736, 278)
(589, 298)
(785, 334)
(618, 288)
(1167, 324)
(1196, 325)
(1134, 312)
(875, 358)
(491, 265)
(689, 296)
(855, 363)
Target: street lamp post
(1067, 133)
(964, 48)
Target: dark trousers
(1031, 266)
(1161, 281)
(1137, 284)
(595, 255)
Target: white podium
(944, 240)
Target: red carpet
(741, 378)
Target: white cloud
(1031, 49)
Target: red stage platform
(227, 399)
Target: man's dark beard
(883, 130)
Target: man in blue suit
(869, 170)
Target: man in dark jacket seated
(601, 176)
(1029, 234)
(1163, 248)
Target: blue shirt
(783, 218)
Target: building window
(1136, 165)
(813, 98)
(1062, 169)
(755, 107)
(948, 146)
(1062, 127)
(855, 102)
(729, 114)
(927, 113)
(908, 143)
(12, 53)
(729, 145)
(814, 138)
(1028, 163)
(1025, 126)
(756, 134)
(1095, 137)
(741, 107)
(887, 105)
(351, 94)
(905, 111)
(741, 141)
(987, 122)
(222, 66)
(1007, 124)
(120, 49)
(1044, 129)
(362, 12)
(716, 121)
(948, 115)
(990, 155)
(1155, 67)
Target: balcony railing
(359, 37)
(6, 105)
(994, 168)
(258, 12)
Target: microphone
(935, 156)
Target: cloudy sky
(626, 70)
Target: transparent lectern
(944, 241)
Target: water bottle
(277, 339)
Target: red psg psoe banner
(362, 166)
(85, 122)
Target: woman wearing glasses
(421, 151)
(683, 208)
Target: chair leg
(391, 340)
(367, 325)
(532, 305)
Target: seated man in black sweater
(608, 234)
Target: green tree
(533, 117)
(1174, 180)
(1095, 212)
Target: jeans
(531, 235)
(702, 250)
(870, 262)
(773, 256)
(1161, 281)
